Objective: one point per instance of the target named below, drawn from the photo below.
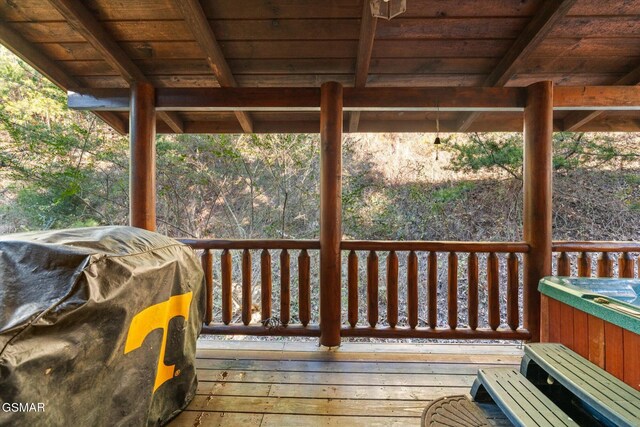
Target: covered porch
(147, 67)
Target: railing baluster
(452, 290)
(392, 289)
(304, 294)
(372, 289)
(472, 267)
(225, 267)
(246, 287)
(207, 267)
(352, 280)
(265, 282)
(625, 266)
(564, 264)
(513, 316)
(605, 265)
(493, 291)
(432, 285)
(285, 288)
(412, 289)
(584, 264)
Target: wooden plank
(614, 358)
(86, 24)
(284, 420)
(581, 333)
(191, 418)
(381, 357)
(197, 22)
(548, 15)
(319, 366)
(555, 319)
(373, 391)
(631, 359)
(596, 340)
(355, 347)
(297, 406)
(565, 324)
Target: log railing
(425, 274)
(271, 323)
(502, 320)
(598, 259)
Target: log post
(330, 212)
(142, 174)
(537, 177)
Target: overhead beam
(83, 21)
(505, 99)
(363, 60)
(52, 71)
(199, 25)
(578, 119)
(533, 34)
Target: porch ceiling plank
(363, 60)
(32, 56)
(533, 34)
(197, 21)
(577, 119)
(83, 21)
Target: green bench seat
(607, 398)
(522, 403)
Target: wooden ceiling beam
(533, 34)
(82, 20)
(298, 99)
(198, 23)
(577, 119)
(365, 47)
(52, 71)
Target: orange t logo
(154, 317)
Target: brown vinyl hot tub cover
(98, 326)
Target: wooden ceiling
(284, 43)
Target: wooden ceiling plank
(577, 119)
(172, 120)
(32, 56)
(83, 21)
(363, 59)
(197, 21)
(533, 34)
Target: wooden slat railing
(492, 282)
(577, 258)
(499, 326)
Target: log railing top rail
(436, 246)
(595, 246)
(250, 243)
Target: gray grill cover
(84, 317)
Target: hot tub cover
(98, 326)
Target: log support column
(330, 212)
(142, 174)
(537, 177)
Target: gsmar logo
(157, 317)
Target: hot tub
(598, 319)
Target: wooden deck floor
(245, 383)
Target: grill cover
(98, 326)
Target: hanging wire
(437, 141)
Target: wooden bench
(606, 397)
(518, 399)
